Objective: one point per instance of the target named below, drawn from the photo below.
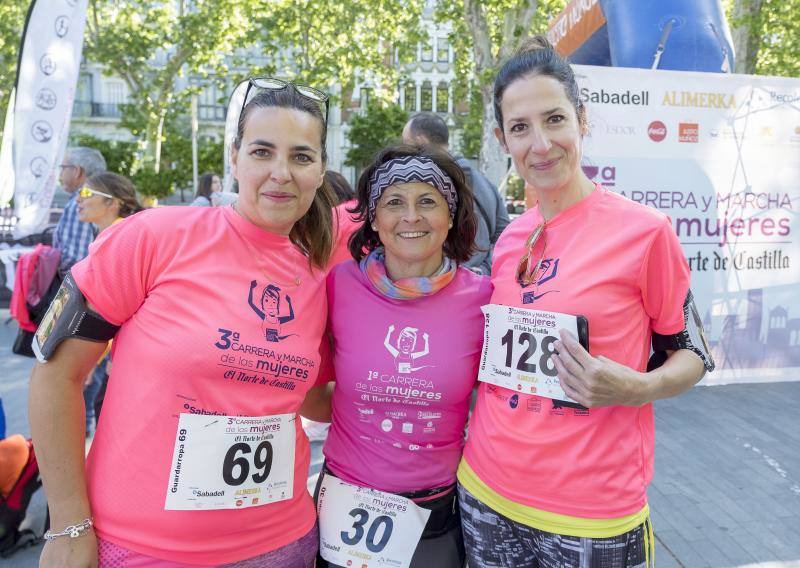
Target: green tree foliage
(766, 35)
(177, 161)
(150, 43)
(328, 43)
(484, 34)
(12, 18)
(381, 125)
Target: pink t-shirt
(619, 264)
(197, 337)
(405, 370)
(345, 225)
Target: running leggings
(297, 554)
(493, 540)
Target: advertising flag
(49, 63)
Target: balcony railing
(211, 112)
(90, 109)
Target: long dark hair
(204, 185)
(460, 242)
(537, 56)
(313, 232)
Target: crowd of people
(489, 385)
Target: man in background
(490, 210)
(72, 236)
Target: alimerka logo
(699, 100)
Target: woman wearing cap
(561, 480)
(406, 325)
(199, 460)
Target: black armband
(692, 338)
(69, 317)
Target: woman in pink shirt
(199, 460)
(560, 446)
(406, 325)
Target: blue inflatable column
(694, 34)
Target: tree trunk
(159, 134)
(746, 34)
(493, 160)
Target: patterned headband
(409, 169)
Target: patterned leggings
(493, 540)
(298, 554)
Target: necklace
(260, 257)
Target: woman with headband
(406, 325)
(199, 459)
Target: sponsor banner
(719, 155)
(48, 73)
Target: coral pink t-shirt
(619, 264)
(197, 337)
(345, 225)
(405, 370)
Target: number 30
(362, 517)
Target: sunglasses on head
(85, 192)
(256, 84)
(527, 271)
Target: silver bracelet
(73, 531)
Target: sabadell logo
(657, 131)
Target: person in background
(490, 210)
(106, 199)
(337, 181)
(347, 223)
(207, 186)
(72, 236)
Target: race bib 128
(518, 344)
(231, 462)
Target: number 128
(546, 366)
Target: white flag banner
(719, 154)
(46, 81)
(7, 176)
(231, 123)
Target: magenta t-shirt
(405, 370)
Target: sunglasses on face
(86, 192)
(269, 84)
(527, 270)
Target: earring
(450, 225)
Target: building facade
(426, 85)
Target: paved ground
(727, 486)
